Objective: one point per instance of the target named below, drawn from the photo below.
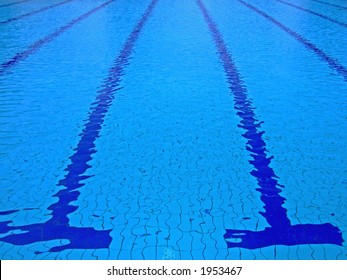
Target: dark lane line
(58, 226)
(313, 13)
(332, 5)
(281, 231)
(332, 62)
(35, 12)
(6, 5)
(43, 41)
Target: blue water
(173, 129)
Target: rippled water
(173, 129)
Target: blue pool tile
(163, 147)
(305, 252)
(125, 254)
(150, 253)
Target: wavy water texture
(332, 62)
(34, 12)
(312, 12)
(58, 226)
(33, 48)
(281, 230)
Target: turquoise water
(173, 129)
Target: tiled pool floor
(173, 129)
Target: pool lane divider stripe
(280, 232)
(5, 66)
(58, 226)
(332, 62)
(35, 12)
(11, 4)
(313, 13)
(329, 4)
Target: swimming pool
(173, 129)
